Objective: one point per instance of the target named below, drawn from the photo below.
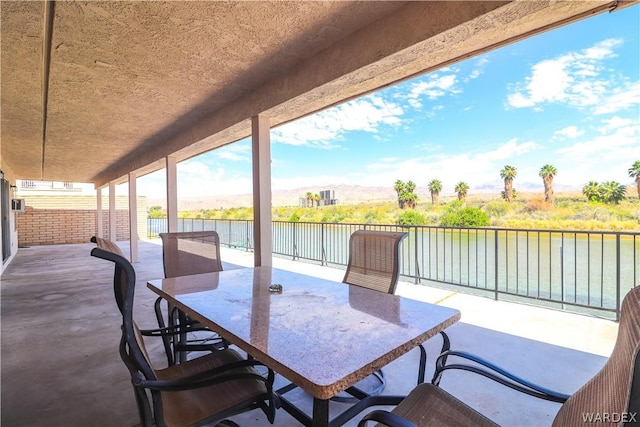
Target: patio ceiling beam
(49, 15)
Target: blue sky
(569, 97)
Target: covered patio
(61, 328)
(106, 92)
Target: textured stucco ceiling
(132, 82)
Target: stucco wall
(52, 219)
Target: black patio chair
(374, 260)
(184, 254)
(611, 397)
(173, 335)
(374, 263)
(205, 389)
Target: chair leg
(177, 317)
(144, 409)
(446, 346)
(423, 364)
(166, 341)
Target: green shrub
(156, 212)
(411, 217)
(465, 218)
(371, 217)
(333, 215)
(497, 208)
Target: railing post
(323, 254)
(495, 255)
(562, 271)
(618, 277)
(415, 250)
(294, 241)
(247, 236)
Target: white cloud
(239, 152)
(604, 157)
(478, 69)
(481, 169)
(614, 123)
(621, 99)
(508, 150)
(326, 128)
(576, 79)
(567, 132)
(432, 86)
(620, 143)
(320, 181)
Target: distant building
(32, 187)
(327, 197)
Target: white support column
(172, 195)
(133, 217)
(99, 231)
(262, 220)
(113, 223)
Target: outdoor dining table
(321, 335)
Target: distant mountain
(350, 195)
(346, 195)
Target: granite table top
(323, 336)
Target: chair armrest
(494, 373)
(203, 379)
(385, 417)
(170, 330)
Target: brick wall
(51, 220)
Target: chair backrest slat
(608, 394)
(191, 252)
(374, 260)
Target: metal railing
(586, 271)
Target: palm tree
(547, 173)
(592, 191)
(410, 186)
(634, 172)
(309, 197)
(410, 199)
(612, 192)
(435, 186)
(461, 189)
(316, 197)
(399, 187)
(508, 174)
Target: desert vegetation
(571, 211)
(600, 206)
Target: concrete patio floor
(60, 333)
